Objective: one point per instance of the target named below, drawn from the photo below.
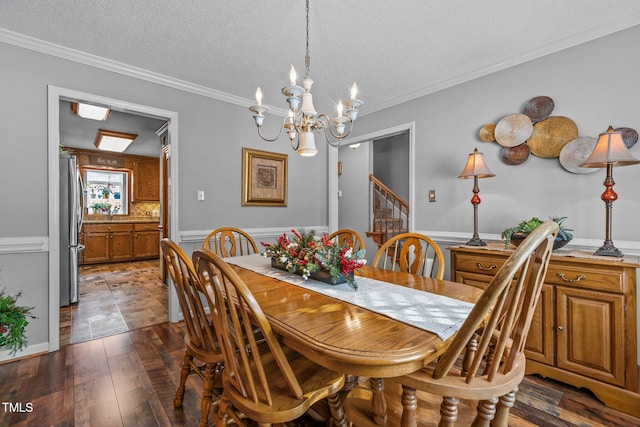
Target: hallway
(115, 298)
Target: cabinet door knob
(577, 279)
(489, 268)
(560, 328)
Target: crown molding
(606, 29)
(80, 57)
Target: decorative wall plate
(487, 133)
(515, 155)
(551, 135)
(513, 130)
(629, 136)
(539, 108)
(576, 152)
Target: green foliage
(13, 321)
(304, 253)
(530, 225)
(101, 205)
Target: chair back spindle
(230, 241)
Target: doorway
(365, 151)
(55, 95)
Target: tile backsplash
(144, 209)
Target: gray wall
(594, 84)
(211, 136)
(587, 84)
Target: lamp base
(609, 250)
(476, 241)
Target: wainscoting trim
(20, 245)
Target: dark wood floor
(129, 379)
(115, 298)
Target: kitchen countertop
(127, 219)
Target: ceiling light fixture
(87, 111)
(109, 140)
(301, 125)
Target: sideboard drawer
(479, 263)
(585, 277)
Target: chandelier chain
(303, 121)
(307, 58)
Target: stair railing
(390, 212)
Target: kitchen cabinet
(106, 242)
(146, 180)
(146, 240)
(584, 331)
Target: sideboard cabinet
(584, 331)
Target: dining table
(346, 337)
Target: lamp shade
(610, 150)
(307, 144)
(476, 167)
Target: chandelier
(301, 124)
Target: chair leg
(222, 419)
(337, 410)
(502, 411)
(409, 406)
(486, 412)
(207, 393)
(184, 373)
(378, 403)
(448, 411)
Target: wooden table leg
(350, 381)
(379, 405)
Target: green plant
(13, 321)
(303, 252)
(101, 205)
(528, 226)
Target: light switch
(200, 195)
(432, 195)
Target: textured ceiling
(396, 51)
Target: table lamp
(475, 168)
(610, 151)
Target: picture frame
(264, 178)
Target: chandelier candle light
(302, 124)
(610, 151)
(476, 168)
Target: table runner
(434, 313)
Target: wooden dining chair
(264, 381)
(413, 253)
(485, 360)
(348, 235)
(203, 355)
(230, 241)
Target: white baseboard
(27, 351)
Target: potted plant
(13, 321)
(518, 233)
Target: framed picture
(264, 178)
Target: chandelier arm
(327, 124)
(297, 145)
(271, 139)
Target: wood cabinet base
(614, 397)
(584, 330)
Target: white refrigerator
(71, 216)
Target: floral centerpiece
(305, 255)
